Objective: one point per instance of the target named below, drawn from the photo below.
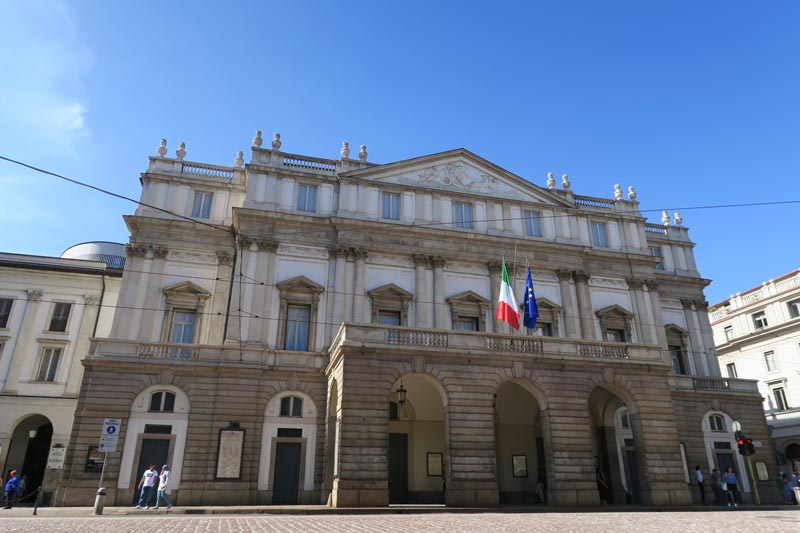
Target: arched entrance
(519, 445)
(28, 451)
(721, 447)
(417, 452)
(619, 475)
(792, 454)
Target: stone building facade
(308, 330)
(757, 333)
(49, 308)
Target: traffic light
(750, 448)
(742, 445)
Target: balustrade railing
(598, 203)
(787, 284)
(606, 351)
(180, 352)
(309, 163)
(416, 338)
(752, 297)
(209, 171)
(711, 383)
(507, 344)
(655, 228)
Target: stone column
(238, 288)
(249, 266)
(495, 270)
(696, 348)
(264, 295)
(640, 322)
(141, 295)
(651, 289)
(423, 300)
(134, 262)
(585, 311)
(23, 351)
(441, 313)
(359, 281)
(707, 337)
(152, 314)
(219, 298)
(572, 325)
(339, 288)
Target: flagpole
(514, 283)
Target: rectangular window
(466, 323)
(202, 204)
(391, 206)
(297, 322)
(389, 318)
(655, 251)
(307, 198)
(58, 322)
(732, 370)
(677, 359)
(615, 335)
(729, 333)
(599, 234)
(794, 309)
(760, 320)
(48, 364)
(183, 323)
(464, 215)
(543, 329)
(780, 399)
(533, 224)
(771, 361)
(5, 311)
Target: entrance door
(36, 457)
(633, 477)
(286, 483)
(725, 460)
(153, 452)
(398, 468)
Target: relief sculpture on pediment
(457, 176)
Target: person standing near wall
(147, 483)
(701, 483)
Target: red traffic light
(740, 441)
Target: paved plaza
(720, 521)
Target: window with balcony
(202, 204)
(298, 314)
(794, 308)
(185, 302)
(616, 323)
(162, 402)
(760, 320)
(548, 323)
(600, 234)
(717, 423)
(677, 345)
(533, 224)
(390, 305)
(60, 317)
(732, 370)
(47, 368)
(677, 355)
(292, 406)
(771, 361)
(728, 333)
(5, 311)
(655, 251)
(779, 395)
(464, 218)
(543, 329)
(468, 311)
(391, 206)
(182, 329)
(307, 198)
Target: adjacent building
(49, 308)
(307, 330)
(757, 334)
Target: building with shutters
(49, 308)
(757, 334)
(306, 330)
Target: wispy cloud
(42, 104)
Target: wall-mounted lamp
(401, 394)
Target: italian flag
(507, 309)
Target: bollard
(37, 500)
(100, 501)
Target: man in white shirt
(698, 476)
(147, 484)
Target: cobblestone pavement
(723, 521)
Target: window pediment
(614, 311)
(186, 294)
(467, 298)
(545, 303)
(676, 329)
(390, 291)
(300, 284)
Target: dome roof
(111, 253)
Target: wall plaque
(229, 452)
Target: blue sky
(693, 103)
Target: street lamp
(401, 394)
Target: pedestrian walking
(701, 483)
(11, 488)
(146, 484)
(23, 484)
(732, 484)
(163, 487)
(719, 487)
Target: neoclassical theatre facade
(297, 329)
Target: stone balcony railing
(491, 345)
(784, 418)
(712, 384)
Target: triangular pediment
(674, 328)
(390, 290)
(614, 310)
(549, 304)
(300, 284)
(186, 288)
(458, 171)
(467, 297)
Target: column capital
(243, 241)
(339, 252)
(160, 252)
(90, 299)
(360, 254)
(439, 262)
(581, 276)
(34, 295)
(267, 245)
(494, 267)
(224, 258)
(135, 250)
(637, 284)
(564, 275)
(652, 285)
(687, 303)
(421, 260)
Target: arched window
(292, 406)
(717, 423)
(162, 402)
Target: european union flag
(531, 309)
